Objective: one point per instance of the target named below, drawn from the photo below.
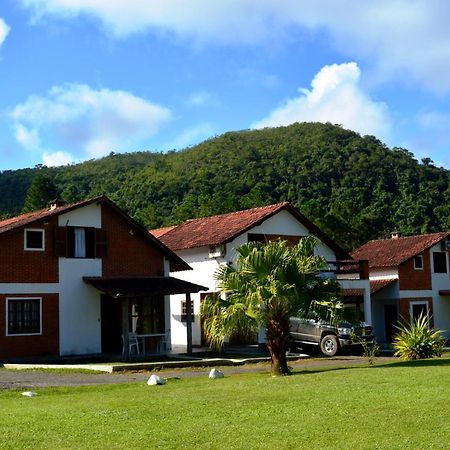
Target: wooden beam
(125, 329)
(189, 323)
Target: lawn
(399, 405)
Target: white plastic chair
(133, 343)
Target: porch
(134, 311)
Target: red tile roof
(393, 252)
(377, 285)
(28, 218)
(217, 230)
(158, 232)
(14, 223)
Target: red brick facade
(128, 252)
(26, 266)
(415, 279)
(46, 344)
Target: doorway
(390, 321)
(111, 321)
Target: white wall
(388, 295)
(79, 303)
(383, 274)
(360, 284)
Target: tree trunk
(277, 335)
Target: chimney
(395, 235)
(56, 203)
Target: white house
(209, 242)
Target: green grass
(394, 406)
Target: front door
(111, 321)
(390, 321)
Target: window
(440, 262)
(23, 316)
(80, 242)
(417, 309)
(34, 239)
(254, 237)
(147, 315)
(184, 311)
(418, 262)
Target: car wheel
(329, 345)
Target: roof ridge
(236, 212)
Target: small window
(23, 316)
(440, 262)
(418, 262)
(418, 309)
(184, 311)
(34, 240)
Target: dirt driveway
(27, 379)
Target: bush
(418, 340)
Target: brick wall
(24, 266)
(128, 252)
(46, 344)
(412, 279)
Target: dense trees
(353, 187)
(42, 191)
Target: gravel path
(26, 379)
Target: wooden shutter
(61, 241)
(101, 246)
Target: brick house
(76, 278)
(408, 275)
(209, 242)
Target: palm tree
(270, 284)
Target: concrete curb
(111, 368)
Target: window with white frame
(417, 309)
(24, 316)
(34, 239)
(418, 262)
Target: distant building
(208, 242)
(408, 276)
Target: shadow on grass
(416, 363)
(434, 362)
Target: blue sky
(82, 78)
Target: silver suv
(329, 337)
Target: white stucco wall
(383, 274)
(79, 303)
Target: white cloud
(4, 30)
(56, 159)
(335, 97)
(201, 98)
(403, 38)
(78, 120)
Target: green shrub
(418, 340)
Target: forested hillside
(355, 188)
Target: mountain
(355, 188)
